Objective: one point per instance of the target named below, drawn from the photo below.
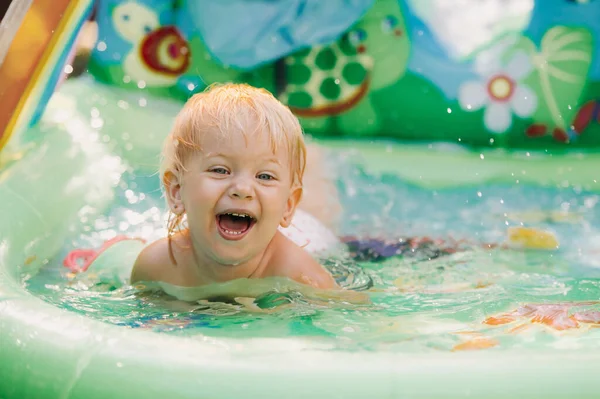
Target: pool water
(436, 286)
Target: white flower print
(500, 90)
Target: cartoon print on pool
(159, 54)
(332, 85)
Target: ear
(172, 182)
(291, 205)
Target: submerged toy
(531, 238)
(557, 316)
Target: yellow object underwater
(531, 238)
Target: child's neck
(211, 271)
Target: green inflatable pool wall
(49, 352)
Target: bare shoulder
(289, 260)
(150, 263)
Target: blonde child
(234, 167)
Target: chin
(234, 252)
(230, 256)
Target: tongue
(234, 223)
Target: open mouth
(234, 225)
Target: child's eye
(265, 176)
(221, 171)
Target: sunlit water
(450, 295)
(429, 299)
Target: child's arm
(306, 270)
(293, 262)
(150, 263)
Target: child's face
(236, 193)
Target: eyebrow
(221, 155)
(215, 154)
(274, 160)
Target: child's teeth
(241, 215)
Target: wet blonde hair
(221, 109)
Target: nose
(241, 188)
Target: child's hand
(337, 295)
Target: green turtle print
(330, 87)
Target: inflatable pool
(465, 301)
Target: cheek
(202, 190)
(199, 200)
(277, 201)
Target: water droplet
(96, 123)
